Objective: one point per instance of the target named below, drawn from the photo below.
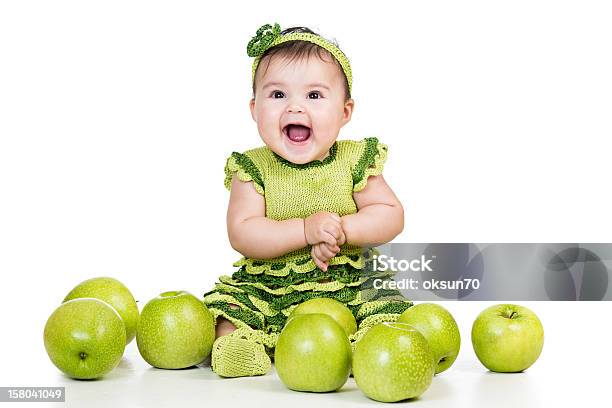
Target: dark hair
(296, 49)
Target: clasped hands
(323, 230)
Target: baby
(302, 207)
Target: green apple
(175, 330)
(85, 338)
(440, 329)
(393, 362)
(115, 294)
(313, 353)
(336, 310)
(507, 338)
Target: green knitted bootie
(241, 353)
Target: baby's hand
(324, 227)
(322, 253)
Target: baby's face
(300, 107)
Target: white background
(116, 119)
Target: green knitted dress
(267, 290)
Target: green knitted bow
(264, 37)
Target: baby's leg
(224, 326)
(238, 353)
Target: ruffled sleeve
(370, 163)
(244, 167)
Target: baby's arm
(255, 236)
(379, 217)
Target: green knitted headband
(268, 36)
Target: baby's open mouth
(297, 133)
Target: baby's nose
(295, 108)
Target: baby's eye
(314, 95)
(278, 94)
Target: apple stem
(511, 315)
(82, 355)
